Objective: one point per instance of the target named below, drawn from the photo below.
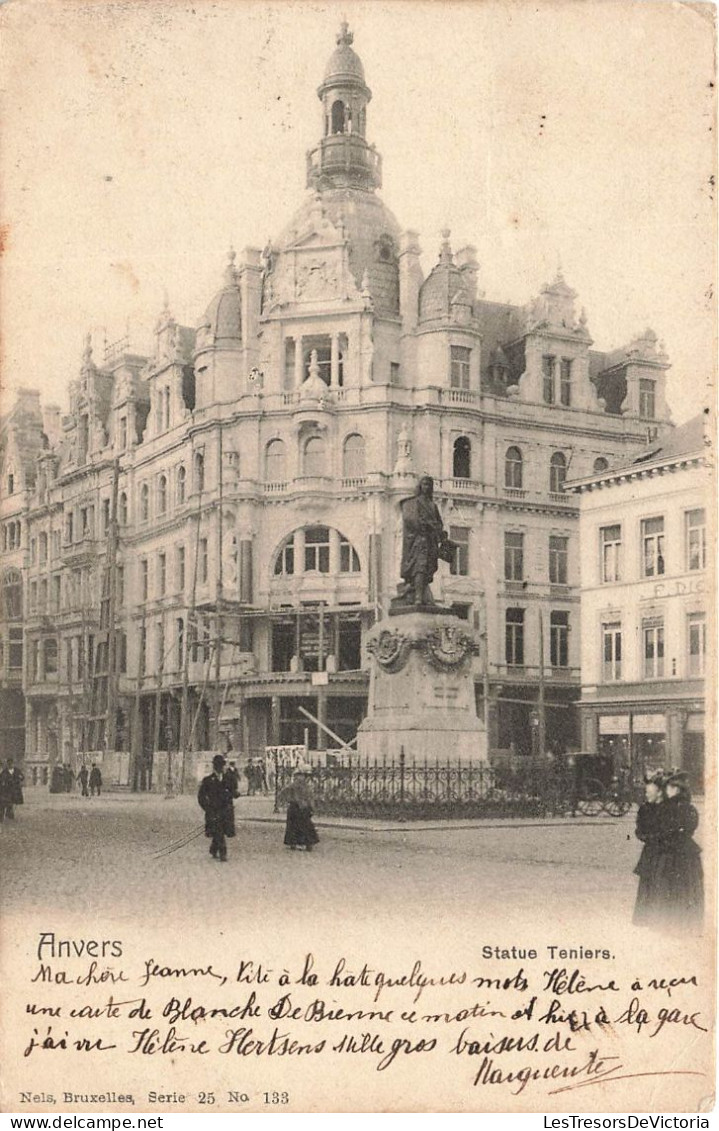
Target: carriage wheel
(593, 801)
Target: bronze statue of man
(424, 541)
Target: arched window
(601, 464)
(12, 595)
(353, 457)
(338, 117)
(275, 470)
(199, 470)
(181, 484)
(513, 464)
(314, 457)
(162, 494)
(122, 509)
(557, 473)
(462, 458)
(144, 503)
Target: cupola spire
(343, 158)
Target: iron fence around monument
(405, 789)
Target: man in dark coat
(6, 794)
(82, 778)
(95, 780)
(424, 542)
(215, 797)
(233, 779)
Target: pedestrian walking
(300, 831)
(95, 780)
(6, 791)
(215, 797)
(233, 779)
(251, 775)
(671, 886)
(82, 778)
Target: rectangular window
(513, 556)
(459, 567)
(696, 539)
(653, 634)
(33, 596)
(144, 579)
(558, 558)
(459, 366)
(652, 547)
(697, 643)
(394, 373)
(647, 399)
(105, 516)
(317, 549)
(548, 367)
(33, 551)
(180, 628)
(559, 639)
(611, 549)
(56, 592)
(180, 569)
(565, 381)
(290, 348)
(202, 565)
(143, 650)
(161, 574)
(43, 548)
(160, 645)
(15, 649)
(611, 652)
(349, 560)
(56, 543)
(120, 586)
(43, 595)
(69, 528)
(123, 433)
(514, 637)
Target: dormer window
(565, 382)
(548, 370)
(11, 483)
(647, 399)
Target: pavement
(142, 854)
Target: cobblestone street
(100, 855)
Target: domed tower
(338, 260)
(226, 347)
(343, 158)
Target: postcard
(357, 557)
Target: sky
(141, 139)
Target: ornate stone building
(206, 536)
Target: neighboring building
(231, 504)
(645, 570)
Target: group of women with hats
(671, 889)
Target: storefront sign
(614, 724)
(649, 724)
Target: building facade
(643, 527)
(205, 537)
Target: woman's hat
(656, 777)
(680, 778)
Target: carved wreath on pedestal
(390, 649)
(447, 647)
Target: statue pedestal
(421, 694)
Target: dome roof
(223, 318)
(344, 61)
(444, 288)
(372, 232)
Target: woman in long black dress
(648, 900)
(671, 886)
(300, 831)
